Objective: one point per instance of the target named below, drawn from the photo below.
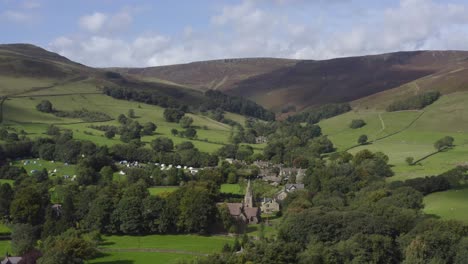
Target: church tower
(248, 198)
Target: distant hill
(20, 62)
(278, 83)
(215, 74)
(27, 69)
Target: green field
(162, 190)
(158, 248)
(5, 247)
(141, 258)
(410, 133)
(232, 188)
(11, 85)
(20, 114)
(2, 181)
(4, 229)
(451, 204)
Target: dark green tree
(45, 106)
(22, 238)
(186, 122)
(362, 139)
(162, 144)
(149, 128)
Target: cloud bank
(281, 28)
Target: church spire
(248, 198)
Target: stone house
(289, 188)
(269, 206)
(287, 173)
(261, 140)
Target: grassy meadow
(5, 247)
(20, 114)
(234, 188)
(409, 134)
(451, 204)
(162, 190)
(157, 249)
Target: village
(248, 211)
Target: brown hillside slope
(214, 74)
(26, 60)
(310, 83)
(25, 68)
(276, 83)
(451, 79)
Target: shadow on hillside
(120, 261)
(106, 243)
(433, 216)
(116, 262)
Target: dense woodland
(211, 100)
(316, 114)
(415, 102)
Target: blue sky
(149, 33)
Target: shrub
(173, 115)
(85, 115)
(409, 160)
(362, 139)
(357, 123)
(445, 142)
(45, 106)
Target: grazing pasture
(158, 248)
(408, 134)
(21, 114)
(449, 205)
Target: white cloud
(255, 28)
(93, 22)
(105, 23)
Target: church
(245, 212)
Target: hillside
(367, 81)
(405, 134)
(216, 74)
(29, 74)
(276, 84)
(453, 78)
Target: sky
(143, 33)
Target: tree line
(314, 115)
(415, 102)
(210, 101)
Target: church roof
(251, 211)
(235, 209)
